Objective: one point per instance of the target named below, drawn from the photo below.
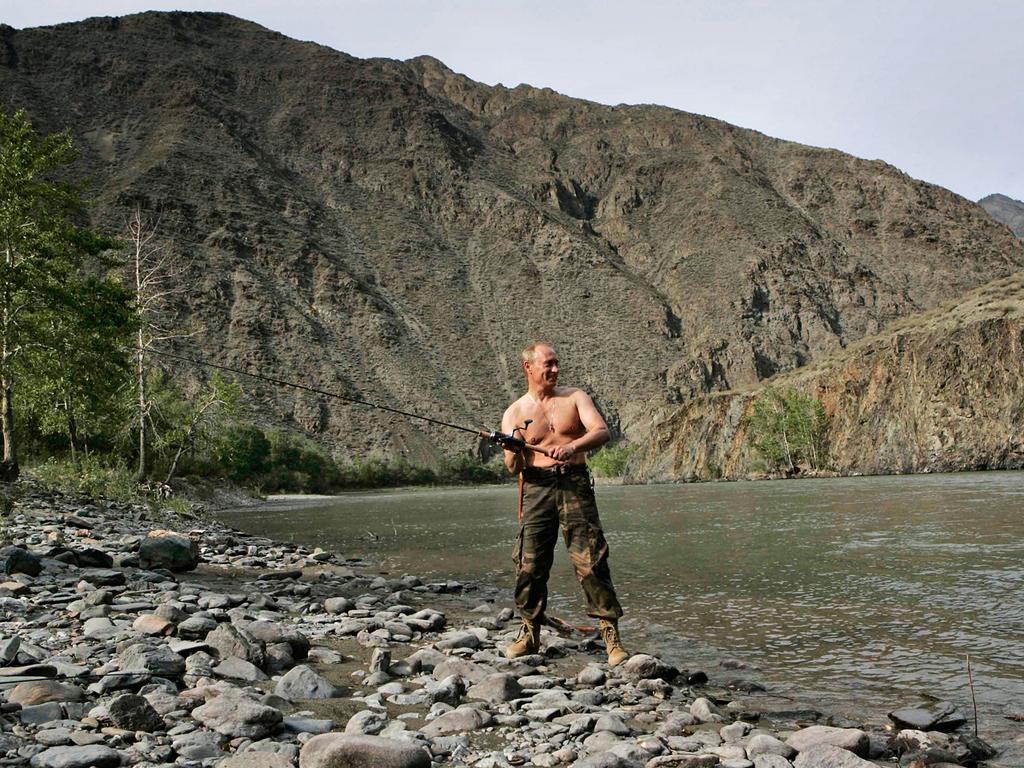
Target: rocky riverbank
(131, 638)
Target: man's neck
(538, 394)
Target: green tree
(42, 254)
(73, 376)
(789, 429)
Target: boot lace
(610, 634)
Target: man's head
(540, 364)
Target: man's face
(542, 371)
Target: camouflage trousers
(562, 496)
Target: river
(859, 594)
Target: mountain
(1006, 211)
(938, 391)
(396, 232)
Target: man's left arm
(593, 422)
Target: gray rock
(9, 649)
(18, 560)
(257, 760)
(54, 737)
(851, 739)
(763, 744)
(367, 722)
(456, 721)
(233, 714)
(943, 716)
(829, 756)
(450, 690)
(604, 760)
(600, 741)
(196, 627)
(766, 760)
(612, 724)
(134, 713)
(464, 668)
(337, 750)
(95, 756)
(198, 745)
(496, 688)
(734, 731)
(159, 659)
(337, 605)
(705, 711)
(271, 632)
(458, 640)
(298, 724)
(303, 683)
(166, 549)
(642, 666)
(234, 668)
(683, 761)
(99, 628)
(228, 640)
(34, 714)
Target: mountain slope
(1006, 211)
(938, 391)
(396, 231)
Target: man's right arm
(513, 459)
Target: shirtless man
(557, 490)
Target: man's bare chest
(551, 419)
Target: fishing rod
(510, 441)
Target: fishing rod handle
(537, 449)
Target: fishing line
(307, 388)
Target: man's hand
(562, 452)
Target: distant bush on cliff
(789, 429)
(611, 460)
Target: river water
(858, 594)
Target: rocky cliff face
(1006, 211)
(937, 392)
(395, 231)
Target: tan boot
(613, 643)
(528, 641)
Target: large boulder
(229, 640)
(234, 714)
(342, 750)
(167, 549)
(303, 683)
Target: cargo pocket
(517, 549)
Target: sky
(933, 87)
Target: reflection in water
(864, 592)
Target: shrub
(611, 460)
(789, 429)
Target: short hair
(530, 352)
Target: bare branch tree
(155, 277)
